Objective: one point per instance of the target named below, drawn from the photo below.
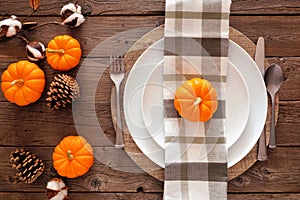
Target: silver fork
(117, 71)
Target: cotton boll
(71, 15)
(10, 27)
(57, 189)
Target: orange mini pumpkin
(196, 100)
(23, 83)
(63, 53)
(73, 156)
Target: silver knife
(260, 61)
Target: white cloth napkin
(196, 39)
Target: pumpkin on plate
(63, 52)
(73, 156)
(23, 82)
(196, 100)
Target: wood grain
(264, 7)
(144, 196)
(90, 34)
(107, 7)
(17, 128)
(108, 174)
(80, 196)
(149, 7)
(281, 33)
(289, 91)
(282, 166)
(264, 196)
(288, 124)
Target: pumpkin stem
(60, 51)
(18, 82)
(197, 101)
(70, 156)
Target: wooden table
(39, 129)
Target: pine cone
(63, 89)
(28, 166)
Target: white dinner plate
(141, 72)
(237, 105)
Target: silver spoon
(273, 79)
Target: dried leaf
(34, 4)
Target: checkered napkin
(196, 45)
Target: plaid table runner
(196, 45)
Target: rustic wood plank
(264, 7)
(112, 171)
(144, 196)
(264, 196)
(99, 7)
(281, 33)
(36, 125)
(61, 122)
(94, 31)
(283, 166)
(147, 7)
(80, 196)
(98, 72)
(288, 124)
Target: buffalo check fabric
(196, 39)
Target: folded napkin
(196, 45)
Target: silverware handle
(119, 135)
(262, 148)
(272, 143)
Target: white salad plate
(237, 105)
(246, 103)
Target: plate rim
(264, 102)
